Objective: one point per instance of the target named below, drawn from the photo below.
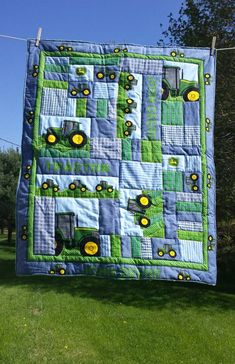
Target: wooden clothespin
(38, 37)
(213, 45)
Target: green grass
(86, 320)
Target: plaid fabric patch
(142, 66)
(189, 197)
(54, 102)
(190, 225)
(172, 181)
(191, 135)
(110, 148)
(178, 135)
(172, 113)
(146, 248)
(191, 251)
(44, 229)
(105, 246)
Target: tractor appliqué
(173, 85)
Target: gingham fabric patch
(117, 175)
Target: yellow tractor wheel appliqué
(77, 139)
(193, 96)
(99, 188)
(51, 138)
(144, 201)
(160, 253)
(72, 186)
(130, 77)
(86, 92)
(194, 177)
(62, 271)
(144, 221)
(91, 248)
(45, 186)
(180, 277)
(100, 75)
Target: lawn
(93, 321)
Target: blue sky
(130, 21)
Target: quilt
(117, 176)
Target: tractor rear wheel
(58, 244)
(165, 91)
(77, 139)
(90, 246)
(191, 94)
(143, 201)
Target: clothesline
(25, 40)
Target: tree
(198, 22)
(9, 174)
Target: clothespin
(213, 45)
(38, 37)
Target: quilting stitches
(142, 66)
(54, 102)
(106, 148)
(120, 183)
(44, 229)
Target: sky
(101, 21)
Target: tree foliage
(9, 173)
(198, 22)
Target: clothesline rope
(25, 40)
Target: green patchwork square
(172, 181)
(151, 151)
(102, 108)
(172, 113)
(126, 150)
(81, 105)
(135, 247)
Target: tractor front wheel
(144, 222)
(51, 139)
(172, 253)
(90, 246)
(191, 94)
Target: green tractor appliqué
(67, 236)
(174, 85)
(70, 131)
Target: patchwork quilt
(117, 176)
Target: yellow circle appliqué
(91, 248)
(51, 138)
(193, 95)
(144, 201)
(77, 139)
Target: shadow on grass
(146, 294)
